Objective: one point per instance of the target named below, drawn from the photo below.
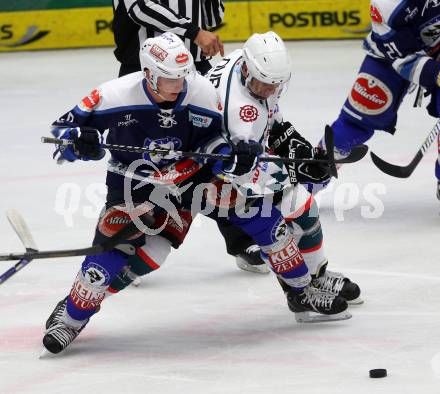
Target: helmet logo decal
(248, 113)
(158, 52)
(182, 58)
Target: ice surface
(199, 324)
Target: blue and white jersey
(126, 109)
(406, 33)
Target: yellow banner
(89, 27)
(70, 28)
(318, 19)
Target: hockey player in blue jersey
(402, 49)
(165, 105)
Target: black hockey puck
(378, 373)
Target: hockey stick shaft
(109, 244)
(14, 269)
(199, 155)
(406, 171)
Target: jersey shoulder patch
(91, 101)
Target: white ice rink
(199, 324)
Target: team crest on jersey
(159, 53)
(248, 113)
(171, 143)
(91, 101)
(166, 118)
(376, 17)
(430, 32)
(370, 95)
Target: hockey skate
(250, 260)
(438, 190)
(337, 284)
(314, 306)
(58, 335)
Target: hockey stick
(23, 232)
(357, 153)
(108, 244)
(406, 171)
(330, 147)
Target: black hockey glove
(86, 144)
(244, 158)
(285, 141)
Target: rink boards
(92, 26)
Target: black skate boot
(438, 190)
(337, 284)
(314, 306)
(58, 335)
(250, 260)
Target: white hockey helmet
(165, 56)
(266, 58)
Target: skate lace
(59, 313)
(252, 249)
(330, 281)
(63, 334)
(317, 299)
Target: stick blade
(390, 169)
(330, 147)
(20, 227)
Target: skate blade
(45, 354)
(137, 282)
(356, 301)
(312, 317)
(258, 269)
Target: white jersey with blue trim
(247, 118)
(127, 110)
(406, 34)
(244, 116)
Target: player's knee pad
(92, 281)
(307, 232)
(147, 258)
(150, 256)
(113, 219)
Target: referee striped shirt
(136, 20)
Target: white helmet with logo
(266, 58)
(165, 56)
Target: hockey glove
(86, 144)
(285, 141)
(244, 158)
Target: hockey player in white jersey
(165, 105)
(250, 82)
